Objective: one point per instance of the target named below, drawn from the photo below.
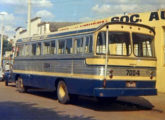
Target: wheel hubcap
(62, 91)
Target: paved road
(40, 105)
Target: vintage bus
(114, 59)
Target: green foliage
(6, 46)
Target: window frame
(91, 44)
(22, 52)
(43, 42)
(55, 49)
(62, 53)
(67, 39)
(29, 53)
(40, 48)
(75, 44)
(32, 49)
(130, 39)
(152, 46)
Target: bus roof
(82, 31)
(125, 23)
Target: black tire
(6, 83)
(20, 87)
(62, 93)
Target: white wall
(34, 27)
(35, 30)
(43, 29)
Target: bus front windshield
(118, 43)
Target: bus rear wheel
(20, 87)
(62, 93)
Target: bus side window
(53, 47)
(69, 48)
(20, 50)
(61, 47)
(34, 46)
(38, 51)
(46, 48)
(101, 43)
(88, 44)
(79, 45)
(26, 49)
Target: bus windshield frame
(121, 43)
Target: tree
(7, 46)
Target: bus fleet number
(133, 72)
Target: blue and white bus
(114, 59)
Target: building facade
(40, 28)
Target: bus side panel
(82, 86)
(38, 81)
(74, 85)
(91, 87)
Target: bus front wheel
(62, 93)
(20, 87)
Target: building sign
(133, 18)
(155, 16)
(84, 25)
(136, 17)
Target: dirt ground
(42, 105)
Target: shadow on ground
(121, 104)
(24, 111)
(9, 84)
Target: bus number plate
(133, 72)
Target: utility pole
(29, 18)
(2, 31)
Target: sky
(15, 11)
